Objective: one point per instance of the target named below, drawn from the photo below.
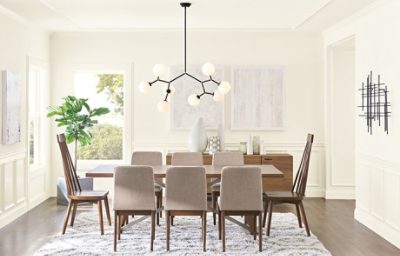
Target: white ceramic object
(250, 145)
(198, 137)
(221, 136)
(256, 145)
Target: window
(36, 82)
(103, 89)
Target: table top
(107, 171)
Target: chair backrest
(186, 188)
(300, 183)
(134, 188)
(71, 178)
(241, 189)
(146, 158)
(187, 159)
(228, 159)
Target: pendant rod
(184, 36)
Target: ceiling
(76, 15)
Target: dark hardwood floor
(330, 220)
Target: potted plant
(77, 116)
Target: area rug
(84, 239)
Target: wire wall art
(374, 103)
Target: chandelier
(208, 69)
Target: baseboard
(378, 226)
(346, 194)
(315, 192)
(13, 213)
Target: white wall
(137, 52)
(377, 39)
(340, 125)
(20, 189)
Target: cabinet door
(284, 163)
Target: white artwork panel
(11, 98)
(257, 98)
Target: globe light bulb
(144, 87)
(163, 106)
(171, 89)
(208, 69)
(224, 87)
(218, 96)
(193, 100)
(159, 70)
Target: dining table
(212, 172)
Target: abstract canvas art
(11, 105)
(183, 116)
(257, 98)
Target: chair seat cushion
(89, 195)
(283, 195)
(157, 188)
(216, 187)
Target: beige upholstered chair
(187, 159)
(223, 159)
(241, 194)
(150, 158)
(186, 195)
(297, 194)
(133, 194)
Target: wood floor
(330, 220)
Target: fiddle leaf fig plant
(77, 116)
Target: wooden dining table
(160, 171)
(107, 171)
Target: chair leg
(265, 211)
(304, 218)
(223, 230)
(152, 230)
(270, 206)
(172, 220)
(67, 216)
(101, 218)
(298, 215)
(107, 210)
(116, 230)
(219, 225)
(158, 207)
(168, 219)
(254, 219)
(74, 206)
(161, 202)
(214, 205)
(120, 219)
(204, 218)
(260, 231)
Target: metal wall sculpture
(374, 103)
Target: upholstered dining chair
(241, 194)
(186, 195)
(75, 193)
(187, 159)
(151, 158)
(133, 194)
(297, 194)
(223, 159)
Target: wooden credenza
(284, 162)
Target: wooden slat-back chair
(75, 193)
(296, 195)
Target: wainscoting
(21, 189)
(378, 196)
(316, 179)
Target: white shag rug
(84, 239)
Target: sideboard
(284, 162)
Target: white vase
(198, 137)
(250, 145)
(221, 137)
